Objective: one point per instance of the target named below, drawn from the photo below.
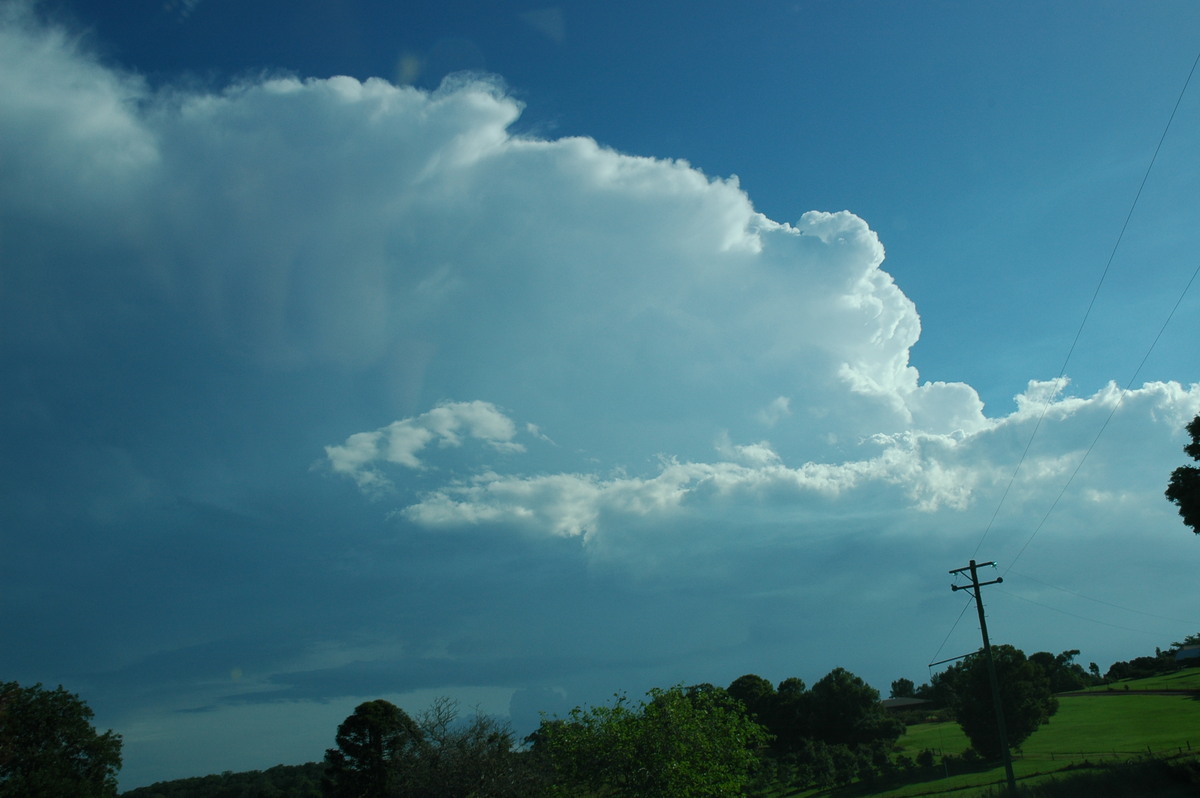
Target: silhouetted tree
(1184, 488)
(755, 692)
(378, 748)
(789, 714)
(846, 710)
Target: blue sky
(526, 353)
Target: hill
(1157, 717)
(281, 781)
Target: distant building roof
(904, 703)
(1187, 652)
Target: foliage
(1064, 673)
(49, 748)
(840, 709)
(1184, 487)
(1025, 698)
(384, 753)
(1141, 667)
(787, 716)
(903, 688)
(830, 735)
(816, 764)
(281, 781)
(1158, 777)
(679, 742)
(377, 749)
(475, 758)
(756, 694)
(846, 710)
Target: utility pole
(991, 665)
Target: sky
(525, 354)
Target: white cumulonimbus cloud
(632, 309)
(912, 470)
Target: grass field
(1102, 727)
(1180, 680)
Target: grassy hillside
(1188, 679)
(1087, 732)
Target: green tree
(378, 748)
(756, 694)
(49, 748)
(679, 742)
(1184, 488)
(846, 710)
(1063, 672)
(1025, 699)
(904, 688)
(789, 715)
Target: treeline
(832, 734)
(1161, 662)
(1062, 675)
(281, 781)
(750, 737)
(698, 740)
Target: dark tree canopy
(384, 753)
(377, 750)
(1064, 673)
(1025, 698)
(1184, 488)
(755, 692)
(49, 749)
(846, 710)
(292, 781)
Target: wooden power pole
(973, 568)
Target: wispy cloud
(402, 441)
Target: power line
(1070, 353)
(1096, 600)
(1074, 615)
(1083, 323)
(953, 626)
(1113, 412)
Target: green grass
(1086, 730)
(941, 738)
(1188, 679)
(1121, 724)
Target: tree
(904, 688)
(755, 692)
(1063, 672)
(473, 758)
(1025, 699)
(1184, 488)
(49, 748)
(679, 742)
(846, 710)
(378, 747)
(788, 716)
